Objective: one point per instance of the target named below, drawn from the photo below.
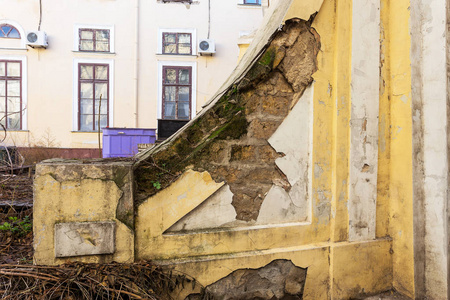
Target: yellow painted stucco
(396, 161)
(74, 200)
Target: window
(9, 31)
(93, 85)
(252, 2)
(94, 40)
(11, 94)
(177, 43)
(176, 92)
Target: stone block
(243, 153)
(89, 238)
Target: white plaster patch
(90, 238)
(364, 119)
(293, 139)
(214, 212)
(282, 207)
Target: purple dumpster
(123, 142)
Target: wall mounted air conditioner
(37, 39)
(206, 46)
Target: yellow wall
(337, 267)
(396, 153)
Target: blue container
(123, 142)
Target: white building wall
(50, 82)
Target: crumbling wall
(230, 140)
(83, 212)
(280, 279)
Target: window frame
(93, 81)
(191, 31)
(6, 34)
(19, 28)
(12, 78)
(75, 97)
(77, 37)
(176, 43)
(193, 100)
(23, 89)
(177, 85)
(94, 40)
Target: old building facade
(127, 52)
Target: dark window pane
(170, 48)
(101, 89)
(86, 123)
(102, 35)
(183, 94)
(2, 104)
(101, 72)
(170, 76)
(13, 121)
(86, 90)
(170, 38)
(2, 88)
(87, 45)
(102, 46)
(184, 76)
(184, 38)
(13, 105)
(13, 69)
(86, 107)
(184, 49)
(169, 110)
(103, 108)
(13, 87)
(14, 34)
(86, 72)
(183, 110)
(87, 35)
(103, 121)
(170, 93)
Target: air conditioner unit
(37, 39)
(206, 47)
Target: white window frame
(192, 31)
(23, 59)
(76, 62)
(193, 65)
(23, 37)
(76, 37)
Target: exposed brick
(243, 153)
(263, 175)
(275, 105)
(247, 208)
(218, 153)
(267, 154)
(252, 104)
(262, 129)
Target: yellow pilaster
(396, 19)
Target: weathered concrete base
(76, 193)
(335, 271)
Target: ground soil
(16, 200)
